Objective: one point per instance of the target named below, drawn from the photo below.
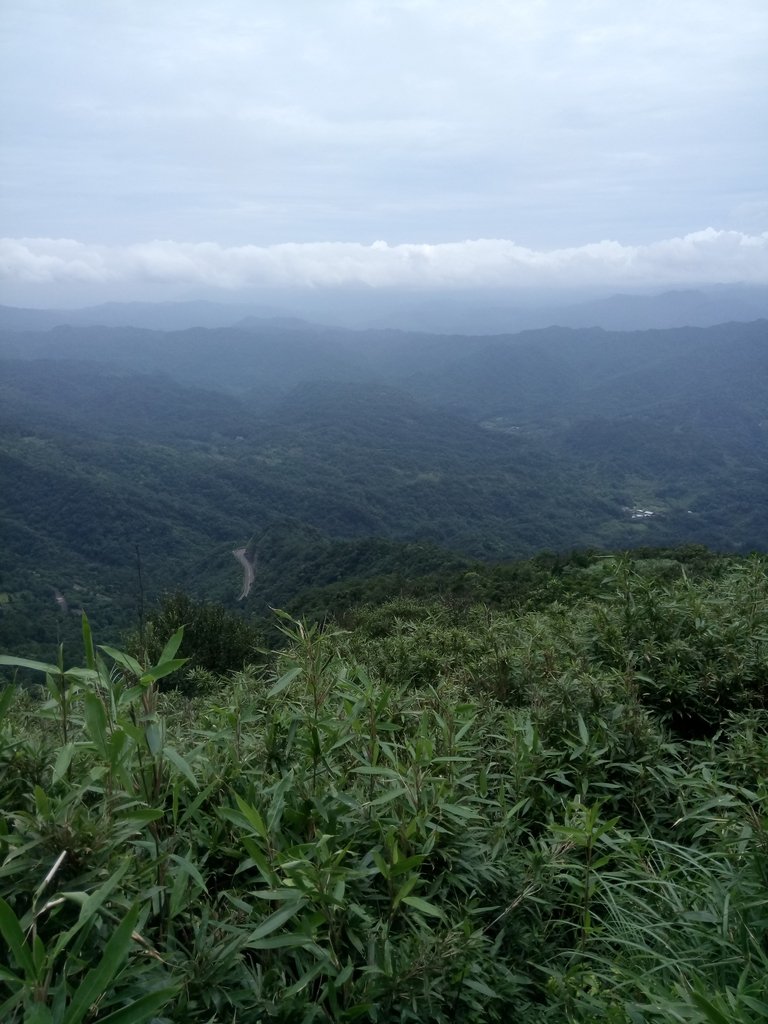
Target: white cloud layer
(703, 257)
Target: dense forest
(383, 676)
(134, 461)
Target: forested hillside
(442, 783)
(134, 461)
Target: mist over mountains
(444, 311)
(174, 446)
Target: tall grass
(507, 829)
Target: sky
(168, 148)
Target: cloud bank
(703, 257)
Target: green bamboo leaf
(388, 797)
(42, 803)
(291, 940)
(305, 979)
(381, 864)
(160, 671)
(710, 1011)
(6, 699)
(90, 657)
(123, 659)
(142, 1009)
(95, 900)
(583, 731)
(13, 1001)
(38, 1013)
(82, 675)
(481, 987)
(38, 953)
(36, 666)
(422, 906)
(284, 681)
(153, 734)
(276, 894)
(276, 920)
(11, 930)
(407, 863)
(169, 651)
(252, 816)
(180, 763)
(405, 889)
(190, 869)
(373, 770)
(458, 811)
(96, 982)
(62, 762)
(96, 723)
(344, 975)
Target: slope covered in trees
(188, 444)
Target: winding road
(249, 571)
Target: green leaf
(180, 763)
(97, 980)
(96, 722)
(36, 666)
(63, 761)
(252, 816)
(190, 869)
(169, 651)
(38, 1013)
(481, 987)
(387, 797)
(422, 906)
(457, 811)
(10, 929)
(407, 863)
(710, 1011)
(305, 979)
(90, 657)
(291, 940)
(276, 920)
(141, 1009)
(153, 734)
(13, 1001)
(160, 671)
(583, 731)
(89, 906)
(123, 659)
(406, 888)
(284, 681)
(6, 699)
(276, 894)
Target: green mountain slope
(186, 445)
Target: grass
(421, 820)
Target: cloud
(549, 122)
(703, 257)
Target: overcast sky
(443, 142)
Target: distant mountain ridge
(125, 445)
(447, 312)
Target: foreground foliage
(556, 814)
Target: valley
(123, 447)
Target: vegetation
(441, 785)
(541, 803)
(330, 449)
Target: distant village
(638, 513)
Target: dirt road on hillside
(249, 571)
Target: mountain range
(134, 460)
